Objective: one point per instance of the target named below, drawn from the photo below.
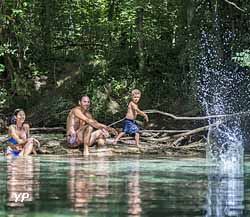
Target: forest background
(54, 51)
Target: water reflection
(22, 181)
(134, 192)
(225, 190)
(90, 185)
(119, 186)
(77, 187)
(86, 184)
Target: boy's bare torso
(131, 114)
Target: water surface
(119, 186)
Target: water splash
(220, 92)
(222, 89)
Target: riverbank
(55, 144)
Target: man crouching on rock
(80, 127)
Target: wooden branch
(194, 118)
(116, 122)
(163, 131)
(48, 130)
(163, 139)
(177, 141)
(197, 130)
(193, 145)
(234, 4)
(127, 138)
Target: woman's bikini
(22, 135)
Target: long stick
(116, 122)
(164, 131)
(232, 3)
(152, 111)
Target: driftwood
(235, 5)
(183, 135)
(163, 131)
(166, 141)
(193, 145)
(48, 130)
(161, 139)
(186, 139)
(195, 118)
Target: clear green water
(119, 186)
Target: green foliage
(107, 48)
(243, 58)
(51, 111)
(3, 97)
(2, 68)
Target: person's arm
(139, 112)
(88, 120)
(27, 130)
(12, 146)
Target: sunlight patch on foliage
(243, 58)
(3, 97)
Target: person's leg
(86, 139)
(72, 141)
(34, 150)
(80, 137)
(97, 137)
(120, 135)
(137, 139)
(28, 147)
(35, 145)
(101, 142)
(13, 153)
(21, 153)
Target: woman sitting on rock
(20, 143)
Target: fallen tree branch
(163, 131)
(156, 139)
(234, 4)
(48, 130)
(152, 111)
(177, 141)
(193, 145)
(197, 130)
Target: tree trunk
(140, 15)
(46, 30)
(111, 6)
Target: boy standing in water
(129, 125)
